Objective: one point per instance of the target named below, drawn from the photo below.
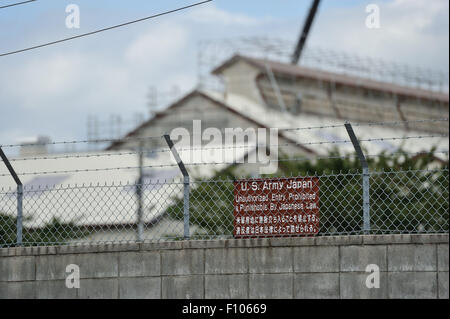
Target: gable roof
(313, 141)
(181, 102)
(284, 69)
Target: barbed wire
(222, 163)
(400, 122)
(393, 123)
(88, 155)
(93, 141)
(314, 143)
(92, 170)
(246, 146)
(225, 131)
(402, 138)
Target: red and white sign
(276, 207)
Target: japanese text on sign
(276, 207)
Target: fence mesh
(406, 201)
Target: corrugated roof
(103, 197)
(323, 139)
(219, 101)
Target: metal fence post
(19, 198)
(140, 226)
(186, 183)
(365, 175)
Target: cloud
(407, 34)
(213, 15)
(39, 81)
(414, 16)
(51, 91)
(157, 46)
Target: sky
(52, 90)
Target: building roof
(323, 134)
(113, 201)
(99, 189)
(318, 142)
(214, 98)
(285, 69)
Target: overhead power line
(16, 4)
(104, 29)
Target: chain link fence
(395, 192)
(407, 201)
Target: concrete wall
(411, 266)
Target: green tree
(404, 195)
(54, 233)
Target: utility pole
(304, 35)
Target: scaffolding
(341, 85)
(212, 53)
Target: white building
(265, 94)
(88, 189)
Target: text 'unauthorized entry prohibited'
(276, 207)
